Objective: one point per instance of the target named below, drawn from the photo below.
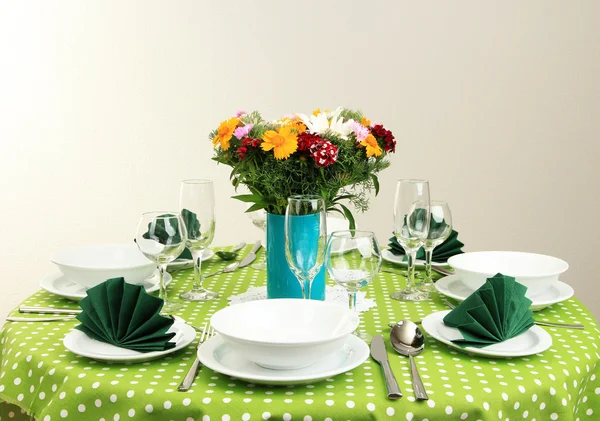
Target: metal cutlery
(440, 270)
(48, 310)
(250, 257)
(539, 323)
(39, 319)
(408, 340)
(379, 354)
(186, 383)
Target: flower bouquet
(334, 154)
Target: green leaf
(344, 197)
(250, 198)
(375, 183)
(348, 216)
(332, 209)
(256, 206)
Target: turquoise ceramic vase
(281, 281)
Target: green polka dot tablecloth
(40, 378)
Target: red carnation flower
(382, 134)
(241, 151)
(250, 142)
(324, 153)
(308, 140)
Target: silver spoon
(408, 340)
(229, 268)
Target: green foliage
(351, 178)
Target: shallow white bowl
(285, 334)
(89, 266)
(535, 271)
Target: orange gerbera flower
(372, 146)
(284, 142)
(225, 132)
(365, 121)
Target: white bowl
(535, 271)
(285, 334)
(89, 266)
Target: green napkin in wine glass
(450, 247)
(160, 232)
(497, 311)
(125, 315)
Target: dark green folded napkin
(497, 311)
(125, 315)
(450, 247)
(160, 234)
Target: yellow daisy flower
(372, 146)
(225, 132)
(316, 112)
(284, 142)
(365, 121)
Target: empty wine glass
(161, 237)
(440, 228)
(352, 260)
(259, 220)
(411, 224)
(305, 238)
(197, 204)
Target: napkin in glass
(126, 316)
(160, 234)
(497, 311)
(450, 247)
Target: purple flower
(240, 113)
(359, 130)
(242, 132)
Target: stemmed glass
(161, 237)
(440, 228)
(305, 238)
(352, 260)
(411, 224)
(259, 219)
(197, 204)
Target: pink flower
(240, 113)
(359, 130)
(242, 132)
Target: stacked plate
(283, 341)
(539, 273)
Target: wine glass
(440, 228)
(352, 260)
(259, 220)
(161, 237)
(305, 238)
(197, 204)
(411, 224)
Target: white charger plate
(219, 356)
(532, 341)
(179, 263)
(59, 284)
(388, 256)
(452, 286)
(79, 343)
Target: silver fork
(186, 383)
(549, 324)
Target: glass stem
(428, 259)
(197, 256)
(162, 293)
(306, 288)
(410, 279)
(352, 301)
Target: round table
(40, 376)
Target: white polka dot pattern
(38, 374)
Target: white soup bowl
(89, 266)
(285, 334)
(535, 271)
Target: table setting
(318, 320)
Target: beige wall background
(106, 106)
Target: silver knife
(379, 354)
(250, 257)
(48, 310)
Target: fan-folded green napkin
(125, 315)
(497, 311)
(450, 247)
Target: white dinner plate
(451, 286)
(179, 263)
(218, 356)
(388, 256)
(58, 284)
(532, 341)
(79, 343)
